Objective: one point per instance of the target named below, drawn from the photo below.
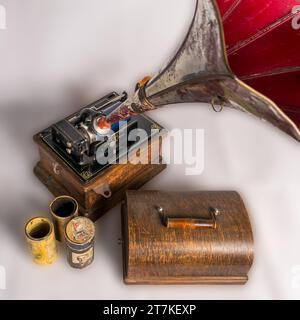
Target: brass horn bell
(199, 72)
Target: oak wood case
(103, 192)
(186, 238)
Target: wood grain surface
(60, 179)
(154, 253)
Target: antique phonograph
(198, 72)
(254, 70)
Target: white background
(57, 56)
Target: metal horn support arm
(199, 72)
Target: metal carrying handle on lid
(190, 223)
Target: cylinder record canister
(79, 235)
(41, 240)
(63, 209)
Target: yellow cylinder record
(41, 240)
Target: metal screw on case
(160, 210)
(216, 211)
(62, 209)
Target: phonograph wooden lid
(174, 238)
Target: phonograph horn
(271, 44)
(199, 72)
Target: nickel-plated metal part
(103, 190)
(184, 222)
(199, 72)
(160, 210)
(98, 130)
(95, 133)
